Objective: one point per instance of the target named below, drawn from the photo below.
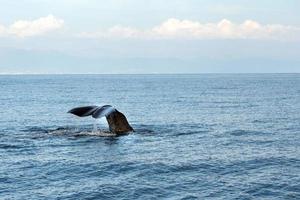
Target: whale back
(118, 123)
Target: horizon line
(32, 74)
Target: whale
(116, 120)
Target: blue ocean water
(208, 136)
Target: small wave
(192, 132)
(10, 146)
(256, 164)
(246, 132)
(259, 121)
(35, 129)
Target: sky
(149, 36)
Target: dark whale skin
(83, 111)
(118, 123)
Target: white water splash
(99, 133)
(95, 128)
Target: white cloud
(25, 28)
(187, 29)
(170, 29)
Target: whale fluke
(116, 120)
(83, 111)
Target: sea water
(207, 136)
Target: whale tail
(116, 120)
